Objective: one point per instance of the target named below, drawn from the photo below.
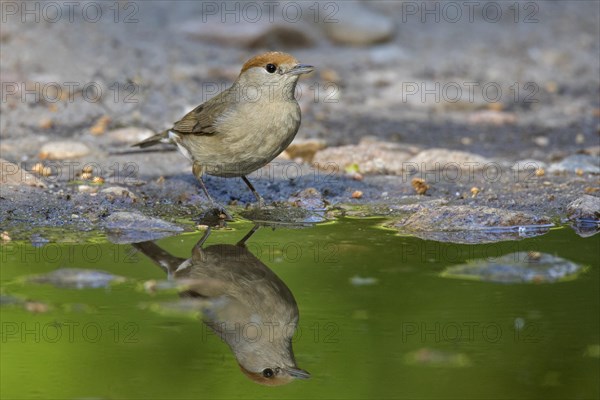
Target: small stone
(357, 176)
(540, 172)
(580, 138)
(471, 224)
(528, 165)
(541, 141)
(491, 117)
(551, 87)
(36, 307)
(363, 281)
(330, 75)
(86, 189)
(357, 194)
(46, 123)
(63, 150)
(13, 175)
(119, 192)
(129, 135)
(585, 207)
(305, 149)
(38, 168)
(357, 25)
(100, 125)
(309, 199)
(420, 186)
(585, 163)
(442, 159)
(367, 157)
(522, 267)
(261, 33)
(134, 227)
(77, 278)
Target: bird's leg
(242, 241)
(197, 169)
(260, 200)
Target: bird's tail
(162, 137)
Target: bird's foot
(216, 216)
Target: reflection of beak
(297, 373)
(300, 69)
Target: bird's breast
(249, 138)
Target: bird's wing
(201, 120)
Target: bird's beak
(296, 372)
(300, 69)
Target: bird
(243, 301)
(244, 127)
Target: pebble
(441, 159)
(309, 199)
(541, 141)
(63, 150)
(360, 281)
(261, 34)
(134, 227)
(585, 207)
(77, 278)
(359, 26)
(129, 135)
(528, 165)
(305, 149)
(119, 191)
(521, 267)
(583, 162)
(13, 175)
(368, 157)
(471, 224)
(489, 117)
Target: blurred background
(504, 79)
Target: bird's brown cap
(272, 57)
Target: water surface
(378, 319)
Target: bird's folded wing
(201, 120)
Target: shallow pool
(380, 316)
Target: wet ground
(413, 84)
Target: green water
(406, 333)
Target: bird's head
(275, 376)
(277, 71)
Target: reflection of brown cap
(283, 378)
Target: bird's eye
(268, 373)
(270, 69)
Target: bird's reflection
(247, 305)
